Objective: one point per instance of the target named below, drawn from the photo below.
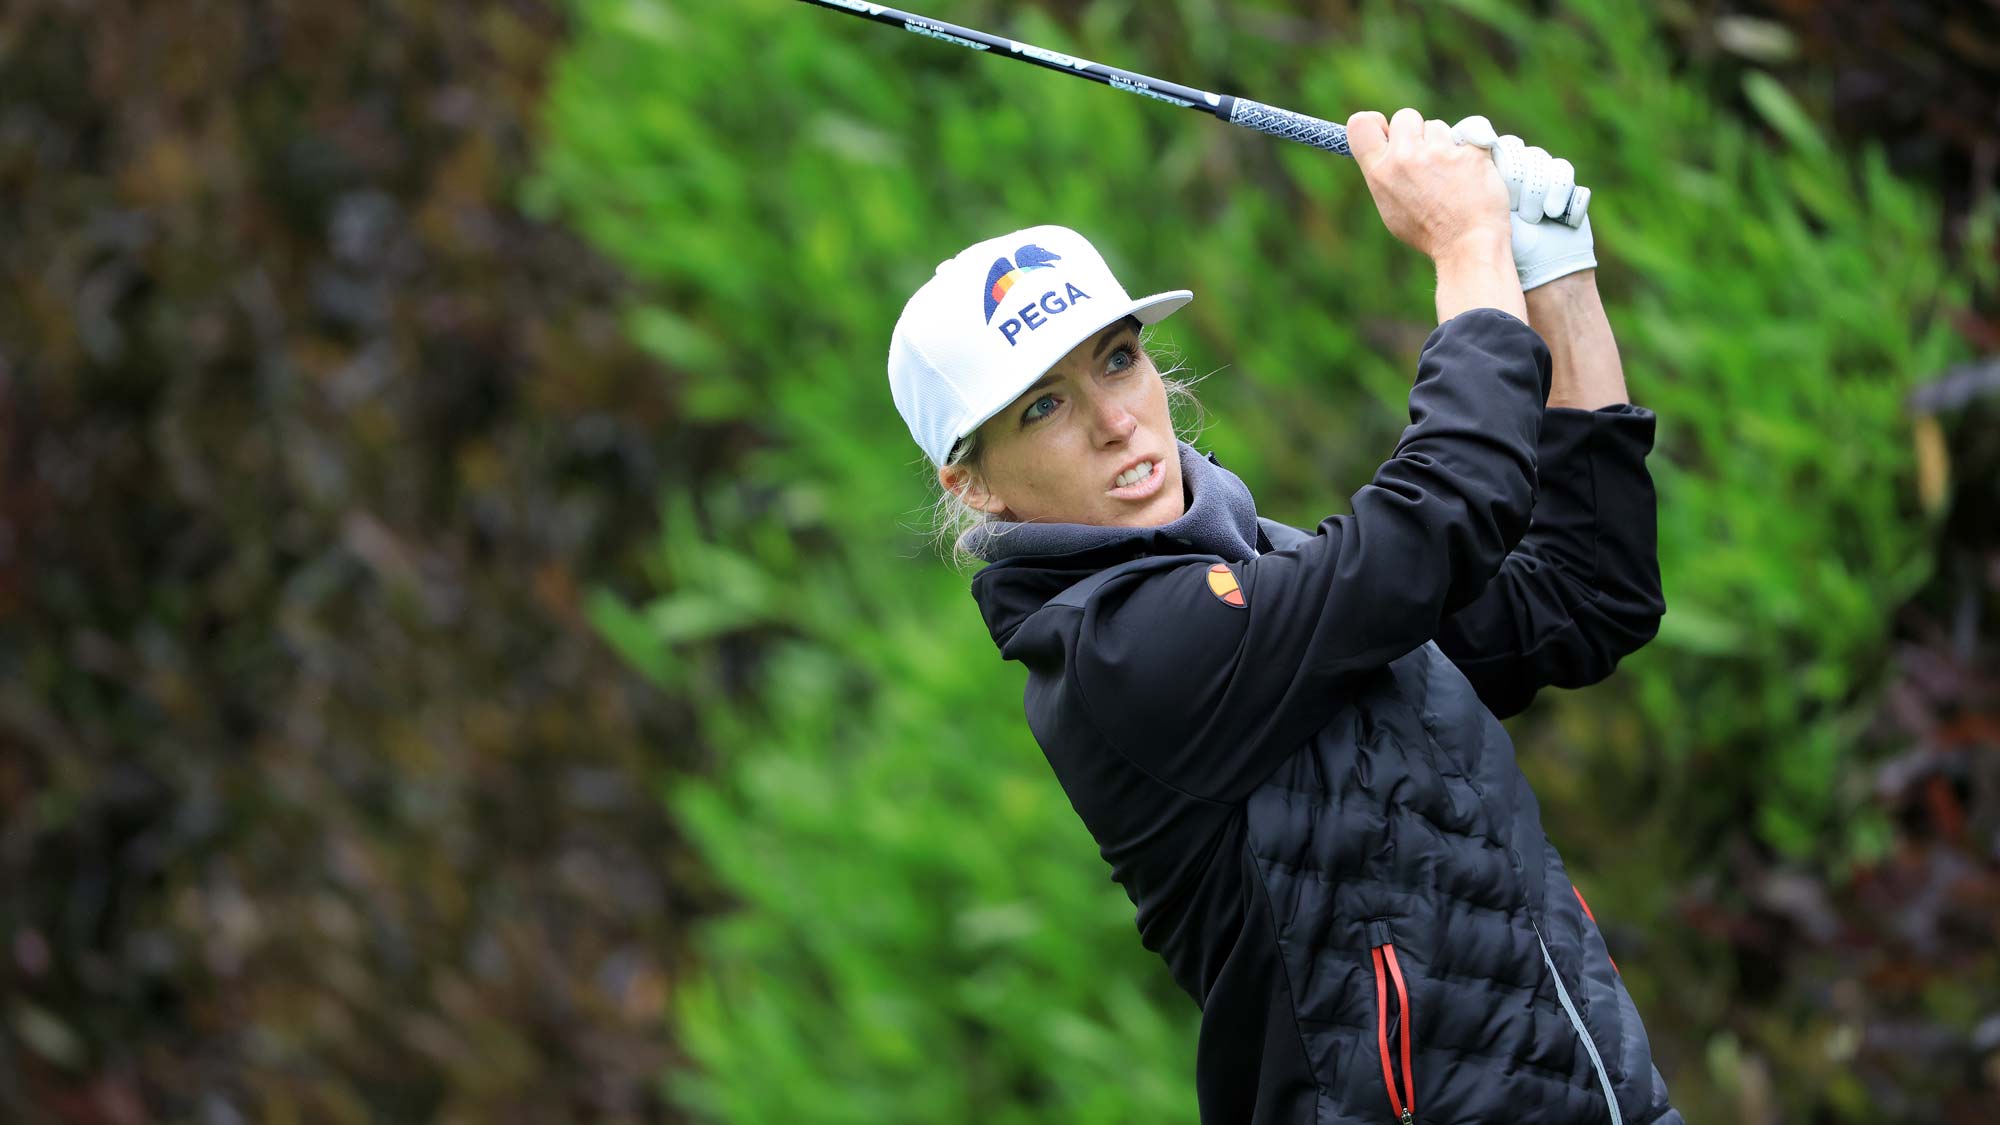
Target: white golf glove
(1539, 187)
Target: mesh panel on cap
(927, 397)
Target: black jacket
(1292, 764)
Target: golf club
(1237, 111)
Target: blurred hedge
(1914, 77)
(925, 933)
(319, 799)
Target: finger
(1405, 129)
(1367, 135)
(1562, 181)
(1437, 133)
(1509, 159)
(1534, 184)
(1474, 130)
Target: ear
(966, 485)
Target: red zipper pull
(1403, 1005)
(1593, 921)
(1405, 1105)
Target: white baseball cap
(994, 319)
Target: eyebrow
(1044, 381)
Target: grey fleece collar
(1221, 519)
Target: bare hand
(1434, 194)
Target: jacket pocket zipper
(1582, 1032)
(1405, 1104)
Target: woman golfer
(1286, 743)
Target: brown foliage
(319, 800)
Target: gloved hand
(1539, 188)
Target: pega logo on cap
(1004, 273)
(1002, 278)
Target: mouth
(1139, 480)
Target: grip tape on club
(1291, 126)
(1333, 138)
(1579, 205)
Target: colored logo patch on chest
(1222, 583)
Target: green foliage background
(332, 475)
(925, 933)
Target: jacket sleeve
(1582, 588)
(1208, 674)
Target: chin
(1173, 497)
(1167, 507)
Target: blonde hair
(951, 517)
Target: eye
(1123, 359)
(1035, 411)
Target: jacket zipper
(1405, 1106)
(1576, 1021)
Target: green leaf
(1781, 111)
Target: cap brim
(1146, 310)
(1153, 309)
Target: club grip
(1579, 206)
(1291, 126)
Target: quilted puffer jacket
(1286, 745)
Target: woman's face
(1066, 450)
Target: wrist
(1566, 295)
(1565, 304)
(1476, 250)
(1479, 274)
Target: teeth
(1134, 475)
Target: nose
(1114, 423)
